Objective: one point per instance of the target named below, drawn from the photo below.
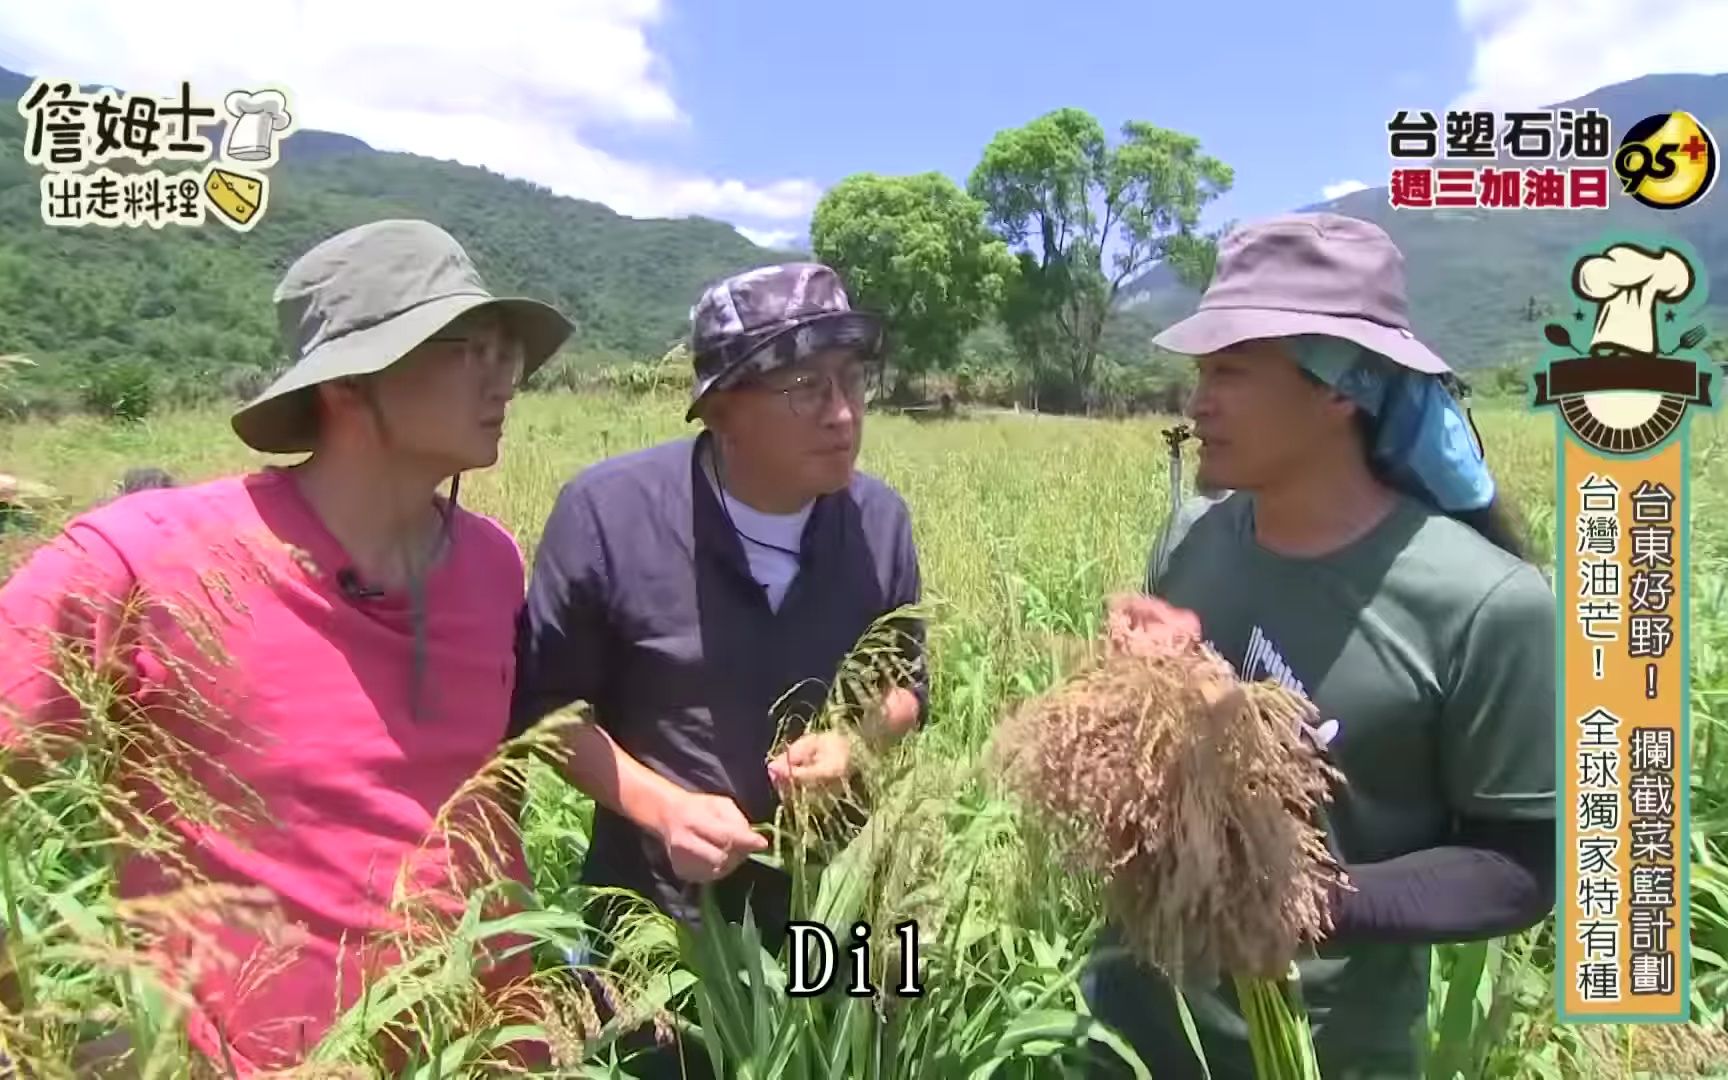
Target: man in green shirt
(1357, 553)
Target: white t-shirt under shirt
(773, 569)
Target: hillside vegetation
(102, 311)
(122, 321)
(1482, 282)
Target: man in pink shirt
(326, 648)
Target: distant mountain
(198, 300)
(1474, 273)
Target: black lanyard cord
(714, 467)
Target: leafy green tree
(1085, 218)
(916, 250)
(1193, 256)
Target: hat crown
(766, 298)
(1316, 263)
(367, 275)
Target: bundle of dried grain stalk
(1193, 795)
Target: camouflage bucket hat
(773, 317)
(360, 301)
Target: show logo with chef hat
(1623, 377)
(260, 120)
(1626, 388)
(74, 135)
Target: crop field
(1025, 525)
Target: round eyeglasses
(489, 358)
(806, 392)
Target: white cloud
(513, 85)
(769, 238)
(1530, 53)
(1342, 188)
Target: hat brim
(1211, 330)
(280, 420)
(795, 343)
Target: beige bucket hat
(360, 301)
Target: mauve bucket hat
(1311, 273)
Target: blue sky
(746, 112)
(1291, 98)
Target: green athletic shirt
(1435, 652)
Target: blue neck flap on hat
(1421, 436)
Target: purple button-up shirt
(642, 604)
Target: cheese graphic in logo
(237, 196)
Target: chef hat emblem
(1628, 392)
(1627, 282)
(258, 120)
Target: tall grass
(91, 976)
(1025, 525)
(995, 974)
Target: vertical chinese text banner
(1623, 606)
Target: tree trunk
(1083, 357)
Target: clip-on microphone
(349, 582)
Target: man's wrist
(651, 808)
(889, 715)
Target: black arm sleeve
(1496, 878)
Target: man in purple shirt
(683, 590)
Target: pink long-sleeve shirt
(219, 611)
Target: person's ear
(345, 393)
(716, 410)
(353, 395)
(1337, 408)
(1339, 403)
(325, 401)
